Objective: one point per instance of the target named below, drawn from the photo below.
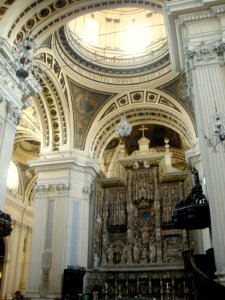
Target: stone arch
(151, 107)
(52, 110)
(36, 18)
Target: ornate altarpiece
(136, 226)
(135, 238)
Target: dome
(124, 45)
(124, 38)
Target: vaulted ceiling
(87, 84)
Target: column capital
(14, 114)
(62, 188)
(3, 99)
(87, 190)
(205, 53)
(41, 189)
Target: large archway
(151, 107)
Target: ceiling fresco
(86, 104)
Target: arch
(150, 107)
(52, 110)
(45, 17)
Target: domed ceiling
(124, 37)
(127, 44)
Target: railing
(203, 287)
(141, 283)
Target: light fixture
(26, 53)
(123, 128)
(218, 134)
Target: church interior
(112, 149)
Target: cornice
(73, 163)
(211, 13)
(172, 7)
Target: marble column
(197, 35)
(61, 223)
(209, 91)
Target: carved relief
(13, 113)
(171, 194)
(134, 218)
(172, 249)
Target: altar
(137, 248)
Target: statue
(96, 261)
(145, 235)
(144, 255)
(124, 255)
(110, 254)
(136, 253)
(152, 250)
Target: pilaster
(61, 223)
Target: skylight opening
(136, 38)
(91, 31)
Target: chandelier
(26, 54)
(123, 128)
(218, 135)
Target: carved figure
(136, 253)
(152, 250)
(96, 261)
(110, 254)
(145, 235)
(144, 255)
(124, 255)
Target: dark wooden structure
(72, 283)
(193, 213)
